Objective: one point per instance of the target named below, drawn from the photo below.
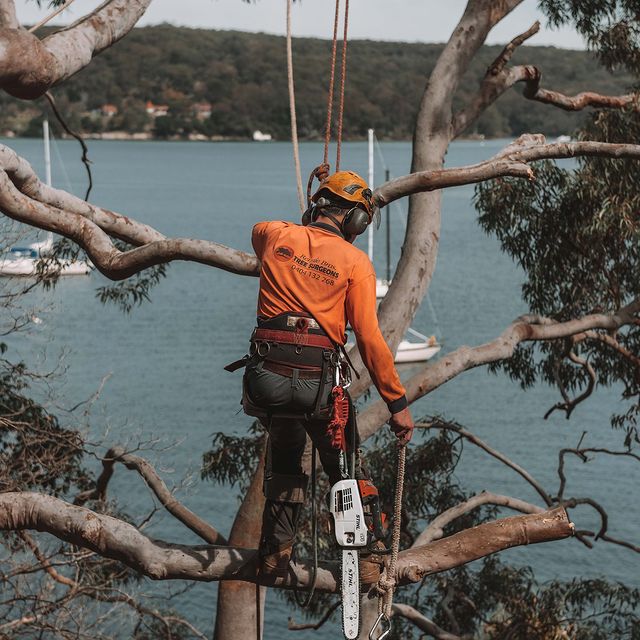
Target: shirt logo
(283, 253)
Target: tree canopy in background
(243, 76)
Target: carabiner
(382, 619)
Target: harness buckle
(263, 348)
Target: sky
(396, 20)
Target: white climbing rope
(387, 582)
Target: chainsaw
(357, 518)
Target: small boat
(24, 261)
(420, 351)
(28, 266)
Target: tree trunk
(240, 608)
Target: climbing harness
(387, 582)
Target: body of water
(166, 358)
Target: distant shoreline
(122, 136)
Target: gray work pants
(285, 481)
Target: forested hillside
(170, 81)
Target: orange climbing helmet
(348, 186)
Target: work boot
(276, 565)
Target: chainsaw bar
(350, 588)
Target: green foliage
(233, 458)
(133, 291)
(576, 234)
(243, 77)
(36, 451)
(611, 27)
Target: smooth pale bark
(235, 596)
(432, 135)
(160, 560)
(29, 66)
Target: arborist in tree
(313, 281)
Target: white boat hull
(415, 352)
(412, 351)
(29, 267)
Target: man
(312, 281)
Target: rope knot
(386, 584)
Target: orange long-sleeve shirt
(313, 269)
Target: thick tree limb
(423, 623)
(432, 135)
(435, 530)
(113, 263)
(113, 538)
(29, 66)
(154, 482)
(525, 328)
(512, 163)
(23, 197)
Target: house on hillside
(201, 110)
(108, 110)
(156, 110)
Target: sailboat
(422, 347)
(24, 261)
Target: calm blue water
(167, 385)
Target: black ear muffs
(311, 214)
(355, 222)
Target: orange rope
(343, 77)
(327, 130)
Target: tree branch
(154, 482)
(423, 623)
(435, 530)
(29, 67)
(495, 82)
(524, 329)
(570, 404)
(113, 263)
(499, 78)
(513, 161)
(159, 560)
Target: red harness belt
(291, 337)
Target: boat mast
(47, 152)
(370, 181)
